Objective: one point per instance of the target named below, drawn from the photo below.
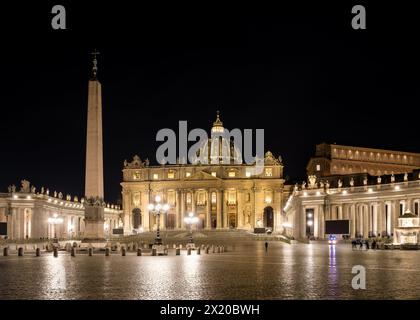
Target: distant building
(332, 159)
(372, 205)
(30, 214)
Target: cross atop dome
(218, 122)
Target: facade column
(321, 219)
(277, 196)
(164, 216)
(177, 209)
(253, 208)
(375, 219)
(219, 209)
(240, 208)
(353, 221)
(208, 210)
(182, 223)
(365, 214)
(395, 214)
(340, 212)
(225, 209)
(145, 221)
(316, 224)
(381, 218)
(303, 222)
(193, 202)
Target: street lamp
(54, 220)
(190, 220)
(157, 209)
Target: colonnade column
(365, 214)
(375, 219)
(352, 221)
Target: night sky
(301, 73)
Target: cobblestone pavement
(315, 271)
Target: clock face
(409, 222)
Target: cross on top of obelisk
(95, 63)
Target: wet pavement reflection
(315, 271)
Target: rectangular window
(214, 174)
(171, 174)
(155, 176)
(268, 172)
(318, 167)
(201, 198)
(136, 175)
(416, 208)
(171, 198)
(187, 174)
(213, 197)
(247, 174)
(232, 197)
(232, 174)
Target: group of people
(359, 243)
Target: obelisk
(94, 180)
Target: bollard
(177, 251)
(20, 252)
(207, 250)
(106, 252)
(123, 251)
(73, 251)
(5, 252)
(189, 251)
(90, 252)
(55, 252)
(37, 252)
(153, 251)
(138, 252)
(198, 250)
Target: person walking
(266, 246)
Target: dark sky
(301, 73)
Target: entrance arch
(136, 218)
(268, 217)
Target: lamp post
(157, 209)
(190, 220)
(54, 220)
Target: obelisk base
(94, 227)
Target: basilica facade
(222, 194)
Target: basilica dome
(219, 148)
